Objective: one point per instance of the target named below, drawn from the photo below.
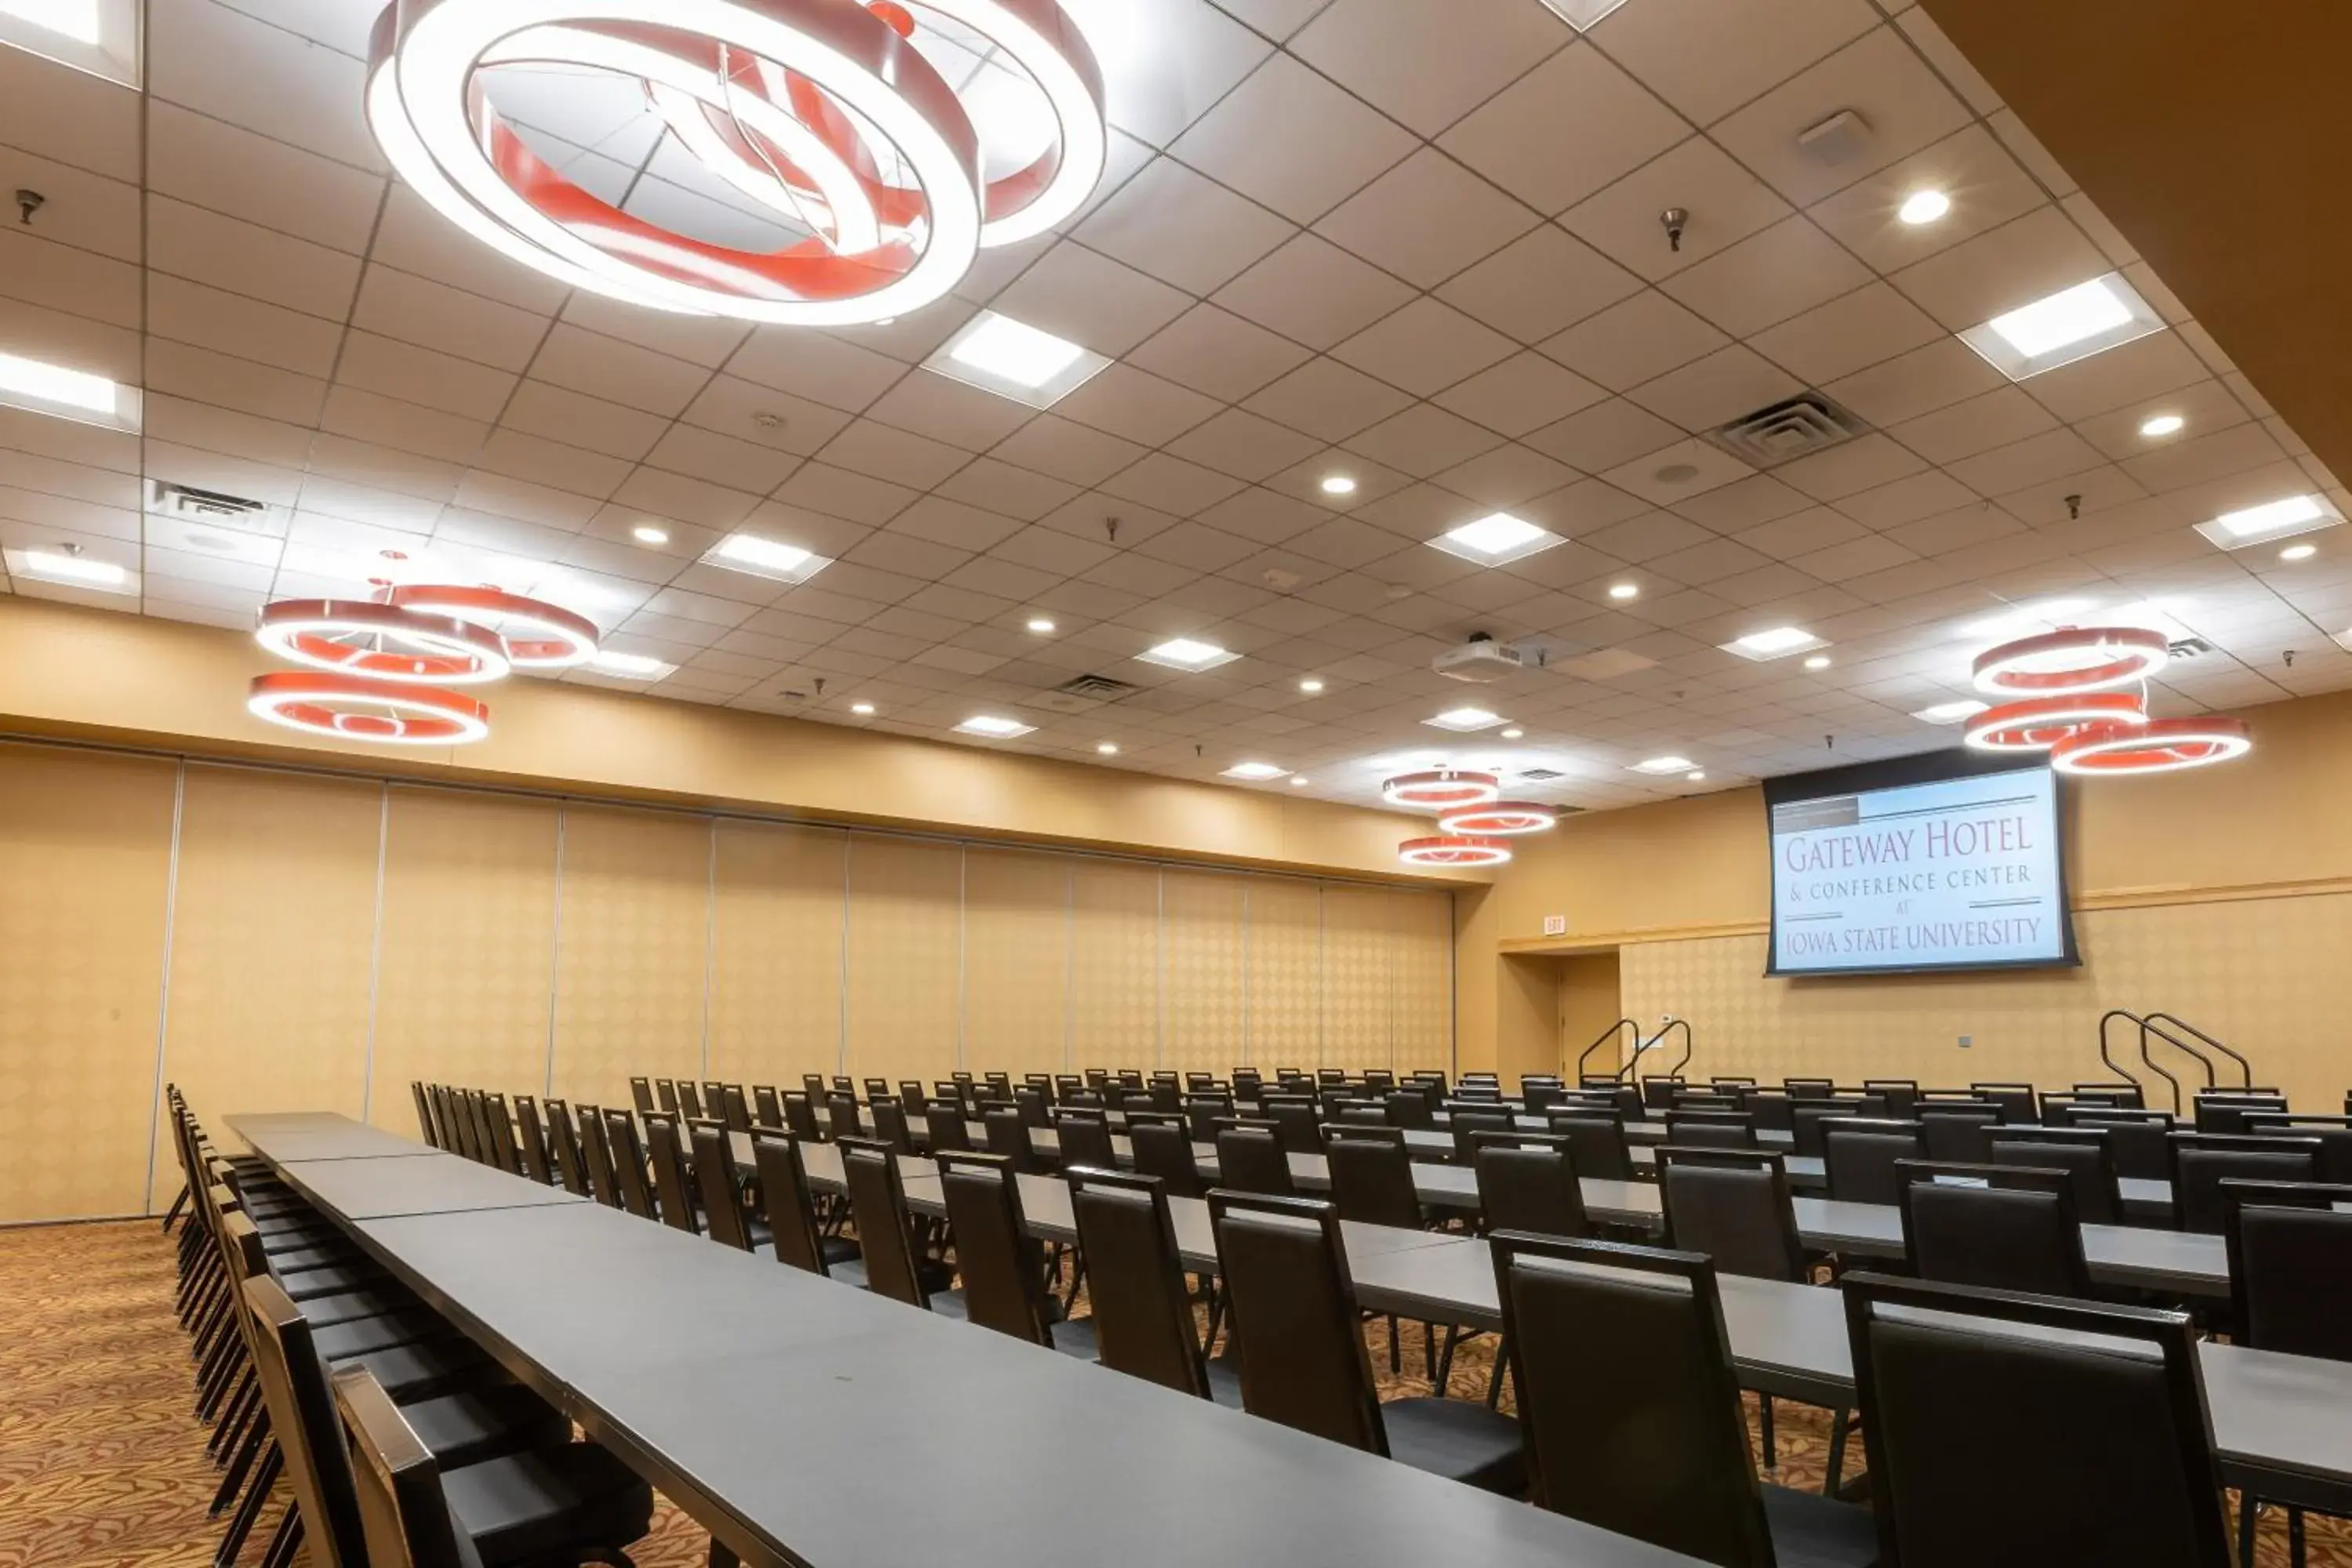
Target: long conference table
(805, 1423)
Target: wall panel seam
(163, 988)
(375, 950)
(709, 942)
(555, 959)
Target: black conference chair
(1251, 1159)
(641, 1091)
(2333, 1133)
(689, 1100)
(1001, 1269)
(1295, 1318)
(1992, 1441)
(800, 1117)
(1007, 1131)
(800, 1242)
(737, 1109)
(673, 1180)
(1734, 1208)
(1632, 1412)
(1597, 1142)
(1527, 1181)
(1408, 1108)
(943, 1125)
(631, 1176)
(1142, 1318)
(1084, 1137)
(424, 1128)
(1901, 1094)
(2017, 1103)
(1859, 1152)
(1957, 1134)
(1466, 1125)
(666, 1089)
(563, 1144)
(597, 1153)
(1711, 1129)
(1371, 1176)
(2290, 1276)
(535, 1162)
(1296, 1120)
(2140, 1141)
(1202, 1113)
(767, 1109)
(2000, 1228)
(894, 1265)
(2202, 1161)
(841, 1118)
(2083, 1153)
(2229, 1111)
(890, 1119)
(1164, 1150)
(719, 1184)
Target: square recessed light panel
(2272, 520)
(1666, 766)
(100, 36)
(2071, 324)
(1256, 773)
(1185, 653)
(1951, 712)
(1015, 360)
(1464, 721)
(631, 665)
(769, 558)
(1582, 15)
(1777, 643)
(1497, 539)
(66, 393)
(990, 727)
(64, 569)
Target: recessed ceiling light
(1040, 625)
(1622, 591)
(2271, 520)
(1819, 661)
(646, 534)
(100, 36)
(1465, 720)
(1513, 733)
(1016, 360)
(1107, 748)
(1663, 766)
(994, 727)
(1777, 643)
(1950, 713)
(768, 558)
(1338, 485)
(1582, 13)
(630, 666)
(1695, 776)
(77, 19)
(70, 569)
(1298, 781)
(2163, 424)
(1924, 207)
(1311, 685)
(1187, 652)
(2298, 552)
(1496, 539)
(863, 709)
(2071, 324)
(1257, 772)
(45, 388)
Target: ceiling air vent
(1101, 688)
(215, 508)
(1541, 776)
(1797, 427)
(2189, 647)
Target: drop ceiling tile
(1979, 424)
(764, 417)
(423, 376)
(811, 366)
(1172, 485)
(557, 415)
(1721, 387)
(2029, 152)
(2048, 455)
(1907, 500)
(1743, 504)
(948, 410)
(1244, 446)
(232, 324)
(1725, 202)
(1215, 351)
(1747, 48)
(1289, 139)
(414, 238)
(205, 56)
(617, 372)
(707, 341)
(1263, 515)
(1650, 537)
(882, 452)
(1089, 299)
(1859, 464)
(1674, 474)
(2206, 406)
(1901, 104)
(1311, 290)
(60, 278)
(1426, 219)
(1564, 130)
(1934, 376)
(950, 523)
(1847, 334)
(1182, 227)
(1196, 548)
(389, 421)
(1524, 393)
(1002, 487)
(739, 465)
(1635, 341)
(1801, 533)
(2014, 265)
(1604, 435)
(86, 211)
(1539, 284)
(249, 260)
(1050, 444)
(1788, 269)
(1423, 348)
(1327, 399)
(2182, 464)
(1987, 186)
(1165, 62)
(1415, 60)
(68, 115)
(1136, 405)
(1507, 475)
(2147, 367)
(1423, 440)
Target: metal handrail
(2149, 1026)
(1688, 1046)
(1605, 1038)
(2106, 1057)
(2245, 1068)
(2149, 1062)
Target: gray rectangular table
(806, 1423)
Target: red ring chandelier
(381, 669)
(824, 111)
(2065, 699)
(1498, 819)
(1452, 850)
(1471, 814)
(1442, 787)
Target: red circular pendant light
(377, 641)
(2157, 746)
(2038, 723)
(2071, 661)
(1452, 849)
(2064, 699)
(351, 708)
(538, 635)
(1500, 819)
(1442, 787)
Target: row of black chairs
(401, 1444)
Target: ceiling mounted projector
(1479, 660)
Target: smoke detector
(1479, 660)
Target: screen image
(1934, 863)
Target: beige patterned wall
(333, 940)
(85, 863)
(2266, 974)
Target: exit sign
(1555, 925)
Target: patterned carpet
(102, 1463)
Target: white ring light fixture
(2039, 723)
(537, 634)
(380, 642)
(1442, 787)
(1453, 851)
(779, 98)
(2158, 746)
(1500, 819)
(350, 708)
(2071, 661)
